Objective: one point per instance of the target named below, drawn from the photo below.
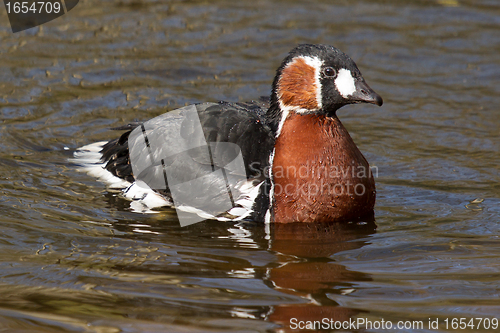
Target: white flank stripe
(89, 159)
(271, 190)
(144, 199)
(249, 193)
(142, 196)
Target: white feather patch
(345, 83)
(285, 111)
(143, 198)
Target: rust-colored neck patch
(297, 86)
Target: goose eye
(329, 72)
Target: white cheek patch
(345, 83)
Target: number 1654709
(35, 7)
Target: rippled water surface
(74, 258)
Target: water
(74, 258)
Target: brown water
(74, 258)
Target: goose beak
(365, 94)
